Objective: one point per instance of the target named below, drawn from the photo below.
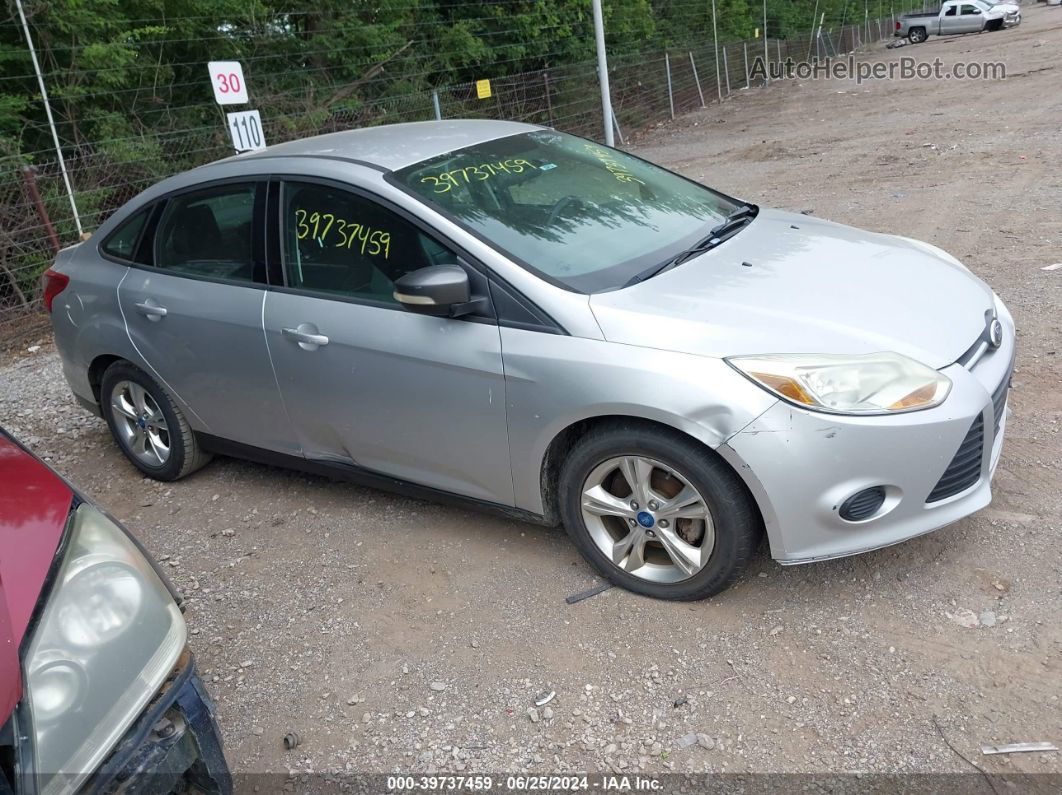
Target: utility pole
(602, 72)
(48, 112)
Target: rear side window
(122, 242)
(208, 233)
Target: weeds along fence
(36, 218)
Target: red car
(98, 689)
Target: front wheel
(917, 35)
(657, 513)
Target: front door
(195, 315)
(365, 382)
(971, 19)
(950, 21)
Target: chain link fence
(36, 218)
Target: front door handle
(306, 335)
(151, 309)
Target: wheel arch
(97, 367)
(569, 436)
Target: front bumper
(174, 746)
(802, 465)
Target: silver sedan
(511, 316)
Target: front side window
(208, 233)
(968, 10)
(338, 242)
(569, 209)
(122, 243)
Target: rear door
(367, 383)
(195, 314)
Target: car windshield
(576, 213)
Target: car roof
(393, 146)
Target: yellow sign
(757, 33)
(483, 89)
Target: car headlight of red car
(109, 635)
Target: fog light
(863, 504)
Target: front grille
(999, 400)
(965, 468)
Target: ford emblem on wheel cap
(645, 519)
(995, 333)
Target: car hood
(790, 283)
(34, 506)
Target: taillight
(898, 26)
(54, 283)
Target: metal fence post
(715, 41)
(602, 72)
(766, 55)
(748, 83)
(726, 70)
(435, 104)
(619, 132)
(670, 98)
(811, 38)
(697, 80)
(29, 179)
(51, 120)
(549, 100)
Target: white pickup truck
(958, 16)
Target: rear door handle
(305, 338)
(153, 311)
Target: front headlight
(874, 383)
(109, 635)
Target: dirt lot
(395, 635)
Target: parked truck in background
(956, 17)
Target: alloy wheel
(140, 423)
(647, 518)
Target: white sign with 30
(226, 78)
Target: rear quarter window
(122, 242)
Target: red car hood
(34, 506)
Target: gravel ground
(396, 635)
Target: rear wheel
(148, 426)
(917, 35)
(657, 513)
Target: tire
(917, 35)
(159, 424)
(675, 463)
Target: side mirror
(440, 290)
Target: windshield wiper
(731, 225)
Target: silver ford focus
(508, 315)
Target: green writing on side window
(318, 226)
